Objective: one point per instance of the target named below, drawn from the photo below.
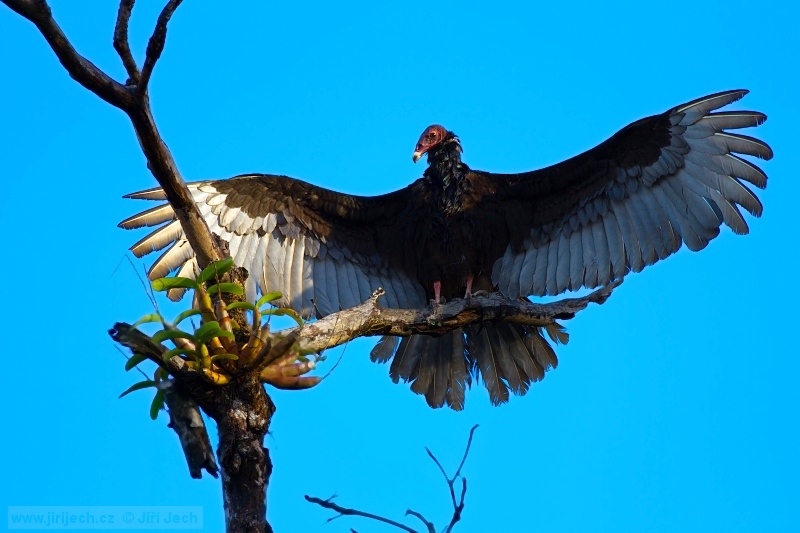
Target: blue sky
(675, 405)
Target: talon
(435, 304)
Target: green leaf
(217, 268)
(219, 356)
(157, 405)
(161, 374)
(139, 386)
(203, 330)
(165, 284)
(267, 298)
(285, 311)
(231, 288)
(166, 334)
(209, 330)
(183, 316)
(153, 317)
(241, 305)
(166, 356)
(219, 332)
(134, 360)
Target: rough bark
(369, 318)
(243, 419)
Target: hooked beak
(417, 155)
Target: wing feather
(526, 274)
(293, 237)
(634, 199)
(576, 264)
(603, 256)
(562, 270)
(616, 248)
(298, 256)
(152, 217)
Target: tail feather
(421, 375)
(440, 369)
(508, 349)
(485, 354)
(406, 360)
(526, 359)
(384, 350)
(508, 357)
(460, 378)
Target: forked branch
(81, 69)
(133, 100)
(458, 505)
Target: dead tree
(230, 390)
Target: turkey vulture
(664, 180)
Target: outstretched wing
(321, 249)
(664, 180)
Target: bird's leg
(437, 299)
(469, 293)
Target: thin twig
(428, 525)
(458, 507)
(344, 511)
(128, 357)
(156, 44)
(466, 451)
(121, 44)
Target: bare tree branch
(137, 106)
(156, 44)
(185, 419)
(81, 69)
(428, 525)
(368, 318)
(344, 511)
(121, 44)
(458, 507)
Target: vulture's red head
(432, 137)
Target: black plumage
(662, 181)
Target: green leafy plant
(212, 349)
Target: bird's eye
(433, 134)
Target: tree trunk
(243, 420)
